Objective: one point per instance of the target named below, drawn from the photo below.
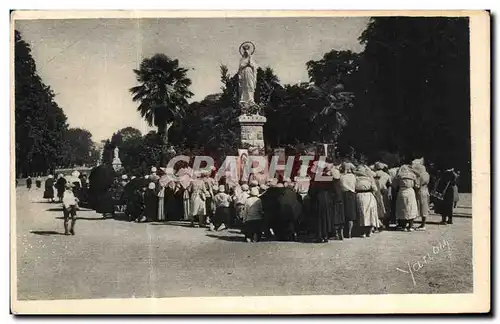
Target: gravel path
(118, 259)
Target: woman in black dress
(49, 189)
(444, 204)
(170, 201)
(338, 205)
(29, 183)
(322, 210)
(150, 203)
(60, 186)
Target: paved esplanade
(117, 259)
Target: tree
(336, 67)
(78, 148)
(414, 90)
(331, 116)
(334, 80)
(162, 93)
(108, 153)
(39, 122)
(128, 133)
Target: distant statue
(247, 74)
(117, 163)
(116, 157)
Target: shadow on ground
(84, 218)
(45, 233)
(227, 238)
(173, 223)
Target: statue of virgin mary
(247, 75)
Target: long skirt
(367, 209)
(423, 201)
(350, 212)
(38, 184)
(445, 206)
(456, 196)
(222, 216)
(161, 209)
(406, 204)
(210, 207)
(48, 193)
(380, 206)
(105, 203)
(387, 203)
(60, 192)
(253, 227)
(338, 214)
(198, 206)
(322, 212)
(187, 205)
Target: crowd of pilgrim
(355, 201)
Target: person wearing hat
(253, 216)
(198, 198)
(29, 182)
(445, 196)
(348, 187)
(338, 218)
(38, 182)
(150, 203)
(60, 186)
(365, 200)
(301, 187)
(384, 184)
(406, 200)
(422, 193)
(210, 184)
(49, 188)
(70, 205)
(222, 209)
(77, 184)
(240, 201)
(282, 211)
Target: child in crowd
(239, 202)
(222, 209)
(70, 205)
(253, 216)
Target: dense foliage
(412, 92)
(162, 92)
(39, 122)
(78, 148)
(409, 87)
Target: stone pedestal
(252, 131)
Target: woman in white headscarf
(49, 188)
(406, 201)
(348, 186)
(366, 201)
(422, 192)
(185, 179)
(198, 197)
(384, 184)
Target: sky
(89, 62)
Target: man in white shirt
(70, 205)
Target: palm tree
(332, 117)
(162, 93)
